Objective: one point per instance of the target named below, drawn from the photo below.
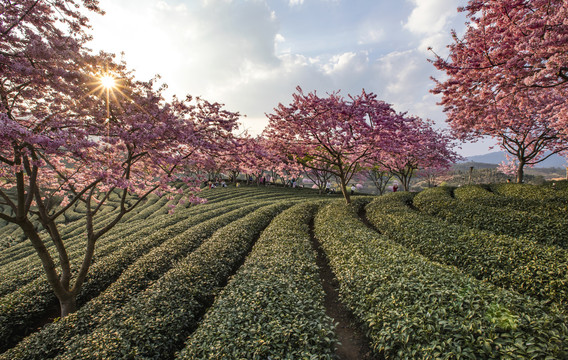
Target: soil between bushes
(354, 345)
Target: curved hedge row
(27, 260)
(10, 236)
(532, 225)
(155, 323)
(26, 270)
(154, 205)
(531, 192)
(68, 231)
(157, 208)
(74, 233)
(481, 196)
(513, 263)
(19, 310)
(273, 307)
(21, 266)
(52, 339)
(415, 308)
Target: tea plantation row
(236, 278)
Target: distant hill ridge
(499, 156)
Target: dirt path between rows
(354, 344)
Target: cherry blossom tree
(523, 124)
(507, 77)
(509, 44)
(280, 166)
(63, 135)
(525, 133)
(255, 157)
(431, 175)
(421, 147)
(379, 176)
(509, 166)
(340, 134)
(319, 175)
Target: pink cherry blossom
(62, 135)
(333, 134)
(507, 77)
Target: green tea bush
(513, 263)
(18, 310)
(531, 192)
(482, 196)
(273, 306)
(75, 240)
(68, 231)
(156, 206)
(52, 339)
(75, 231)
(530, 224)
(414, 308)
(19, 273)
(155, 323)
(11, 235)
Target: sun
(107, 81)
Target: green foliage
(501, 317)
(156, 322)
(532, 192)
(19, 309)
(533, 225)
(482, 196)
(415, 308)
(178, 240)
(157, 274)
(514, 263)
(273, 306)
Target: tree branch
(5, 32)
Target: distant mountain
(499, 156)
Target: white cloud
(432, 21)
(430, 16)
(339, 63)
(400, 74)
(371, 37)
(242, 54)
(371, 33)
(196, 47)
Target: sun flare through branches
(107, 81)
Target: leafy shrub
(531, 192)
(415, 308)
(514, 263)
(529, 224)
(53, 338)
(273, 307)
(482, 196)
(19, 309)
(155, 323)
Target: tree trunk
(68, 305)
(344, 190)
(66, 298)
(405, 183)
(520, 172)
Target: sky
(252, 54)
